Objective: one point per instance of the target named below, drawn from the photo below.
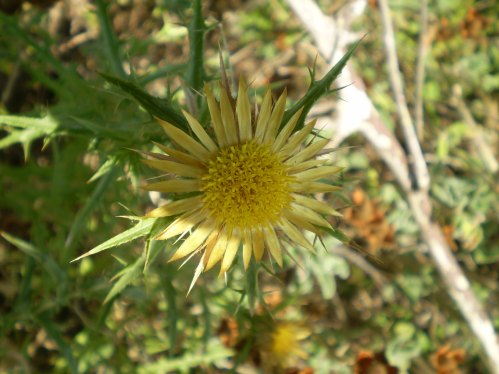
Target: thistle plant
(245, 181)
(218, 202)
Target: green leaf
(215, 353)
(322, 269)
(252, 285)
(104, 169)
(31, 129)
(140, 229)
(153, 249)
(102, 131)
(337, 234)
(46, 124)
(53, 332)
(24, 299)
(90, 205)
(42, 258)
(169, 292)
(317, 89)
(25, 137)
(400, 352)
(155, 106)
(487, 253)
(207, 318)
(126, 276)
(160, 225)
(42, 51)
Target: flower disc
(246, 186)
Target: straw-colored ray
(185, 141)
(244, 113)
(175, 207)
(200, 132)
(174, 168)
(216, 117)
(174, 185)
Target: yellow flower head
(248, 182)
(281, 345)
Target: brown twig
(356, 113)
(360, 261)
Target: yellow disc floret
(246, 185)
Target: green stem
(111, 44)
(195, 70)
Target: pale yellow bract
(248, 185)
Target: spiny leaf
(197, 273)
(46, 124)
(47, 262)
(155, 106)
(91, 204)
(338, 234)
(103, 131)
(140, 229)
(104, 169)
(25, 137)
(30, 129)
(317, 89)
(127, 276)
(215, 353)
(153, 249)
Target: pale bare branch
(480, 144)
(420, 68)
(410, 137)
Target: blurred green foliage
(69, 118)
